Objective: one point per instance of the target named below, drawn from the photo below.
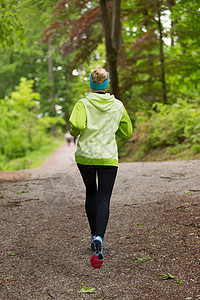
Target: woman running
(98, 118)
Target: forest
(150, 48)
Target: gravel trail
(154, 229)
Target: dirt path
(154, 229)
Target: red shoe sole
(95, 262)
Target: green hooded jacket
(98, 118)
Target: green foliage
(32, 159)
(10, 26)
(170, 125)
(180, 281)
(173, 124)
(23, 192)
(139, 55)
(175, 128)
(22, 129)
(19, 121)
(85, 289)
(167, 276)
(12, 254)
(143, 259)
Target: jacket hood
(102, 102)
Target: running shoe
(97, 259)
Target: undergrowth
(33, 158)
(171, 132)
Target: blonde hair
(99, 75)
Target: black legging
(98, 197)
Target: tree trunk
(52, 82)
(112, 42)
(162, 60)
(171, 3)
(116, 24)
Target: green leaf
(12, 254)
(23, 192)
(3, 3)
(143, 259)
(167, 276)
(85, 289)
(180, 281)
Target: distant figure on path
(98, 118)
(68, 137)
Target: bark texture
(112, 33)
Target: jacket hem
(96, 161)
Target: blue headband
(99, 86)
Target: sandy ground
(154, 229)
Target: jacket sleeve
(125, 129)
(78, 119)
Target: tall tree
(52, 83)
(171, 4)
(112, 33)
(77, 34)
(162, 59)
(83, 40)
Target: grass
(34, 158)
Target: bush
(171, 130)
(22, 130)
(173, 124)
